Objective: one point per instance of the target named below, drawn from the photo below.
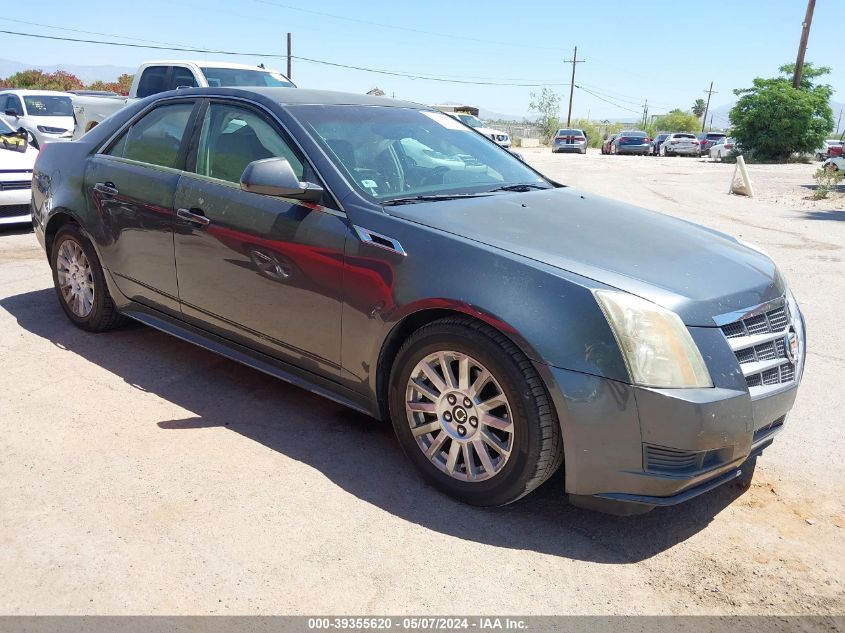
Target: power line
(207, 51)
(408, 29)
(621, 107)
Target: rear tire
(493, 401)
(80, 283)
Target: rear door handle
(106, 188)
(196, 216)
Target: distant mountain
(86, 73)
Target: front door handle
(196, 216)
(106, 188)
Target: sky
(663, 51)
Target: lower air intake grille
(672, 461)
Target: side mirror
(275, 177)
(11, 113)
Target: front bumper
(658, 447)
(14, 206)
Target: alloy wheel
(459, 416)
(76, 278)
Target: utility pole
(802, 46)
(710, 129)
(707, 107)
(838, 120)
(573, 61)
(289, 55)
(645, 112)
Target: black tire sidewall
(510, 483)
(90, 321)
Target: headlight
(656, 345)
(51, 130)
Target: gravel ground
(139, 474)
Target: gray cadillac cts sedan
(388, 257)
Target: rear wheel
(80, 283)
(472, 414)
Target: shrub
(772, 120)
(826, 181)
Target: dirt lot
(139, 474)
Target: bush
(772, 120)
(826, 181)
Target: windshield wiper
(431, 198)
(523, 186)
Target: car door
(131, 184)
(264, 271)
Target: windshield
(570, 133)
(218, 77)
(390, 153)
(48, 105)
(471, 120)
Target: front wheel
(80, 283)
(472, 414)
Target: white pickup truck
(161, 76)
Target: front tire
(80, 283)
(472, 414)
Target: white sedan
(722, 149)
(15, 178)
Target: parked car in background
(707, 140)
(307, 245)
(656, 142)
(720, 150)
(17, 158)
(631, 142)
(680, 144)
(605, 146)
(570, 140)
(830, 147)
(835, 163)
(160, 76)
(46, 115)
(500, 137)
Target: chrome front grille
(759, 342)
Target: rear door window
(153, 80)
(182, 78)
(156, 138)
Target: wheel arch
(59, 218)
(422, 316)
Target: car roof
(213, 64)
(26, 92)
(299, 96)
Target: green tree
(772, 120)
(35, 79)
(547, 104)
(699, 107)
(677, 121)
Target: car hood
(11, 160)
(487, 131)
(697, 272)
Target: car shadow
(820, 214)
(15, 229)
(355, 452)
